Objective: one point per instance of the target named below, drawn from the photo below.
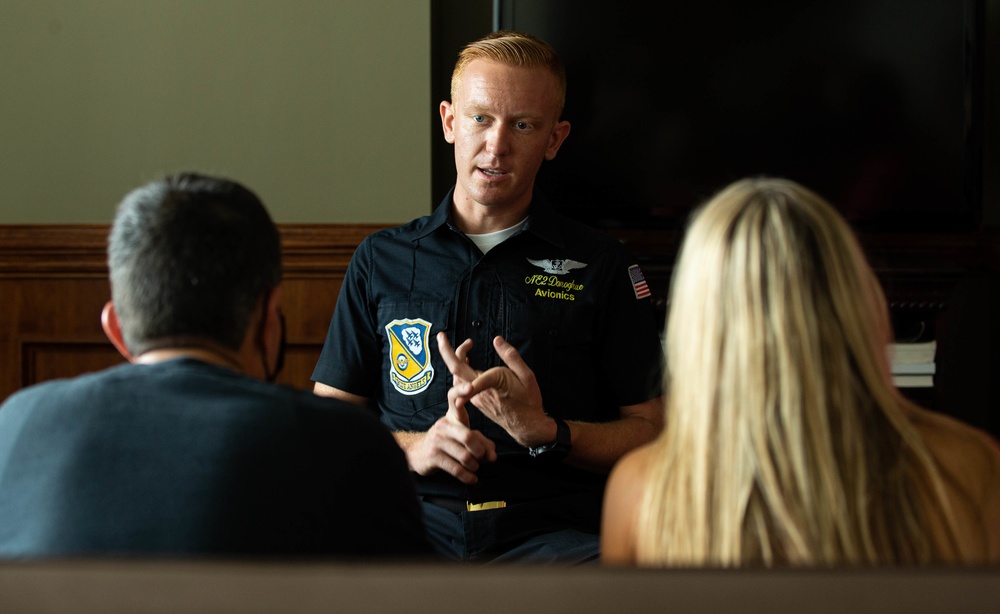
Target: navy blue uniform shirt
(567, 296)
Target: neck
(214, 356)
(476, 218)
(491, 222)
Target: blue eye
(522, 125)
(478, 118)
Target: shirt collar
(543, 221)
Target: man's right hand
(449, 446)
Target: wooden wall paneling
(315, 259)
(44, 322)
(53, 285)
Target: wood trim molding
(78, 250)
(60, 250)
(54, 282)
(317, 250)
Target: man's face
(503, 122)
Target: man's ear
(559, 133)
(109, 322)
(448, 121)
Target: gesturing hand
(450, 445)
(507, 395)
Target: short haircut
(513, 49)
(191, 257)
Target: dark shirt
(559, 291)
(184, 458)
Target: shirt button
(477, 323)
(553, 333)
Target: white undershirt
(488, 241)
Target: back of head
(190, 257)
(774, 274)
(785, 437)
(512, 49)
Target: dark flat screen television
(875, 104)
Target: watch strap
(558, 449)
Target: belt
(460, 505)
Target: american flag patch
(638, 282)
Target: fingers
(451, 445)
(471, 448)
(462, 351)
(456, 359)
(497, 378)
(512, 358)
(458, 395)
(517, 375)
(453, 448)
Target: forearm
(324, 390)
(598, 446)
(407, 440)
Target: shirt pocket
(415, 379)
(557, 341)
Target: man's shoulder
(68, 387)
(343, 417)
(415, 227)
(577, 234)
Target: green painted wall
(320, 106)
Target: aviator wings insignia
(557, 266)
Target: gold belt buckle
(485, 505)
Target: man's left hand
(508, 395)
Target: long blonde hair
(785, 441)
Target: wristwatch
(555, 450)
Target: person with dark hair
(189, 450)
(505, 478)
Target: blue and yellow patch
(410, 369)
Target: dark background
(888, 108)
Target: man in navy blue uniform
(508, 476)
(189, 449)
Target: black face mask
(280, 364)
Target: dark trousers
(556, 530)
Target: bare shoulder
(969, 459)
(626, 485)
(961, 449)
(631, 472)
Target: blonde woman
(786, 442)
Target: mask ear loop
(280, 362)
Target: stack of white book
(913, 364)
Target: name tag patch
(550, 285)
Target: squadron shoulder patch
(410, 369)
